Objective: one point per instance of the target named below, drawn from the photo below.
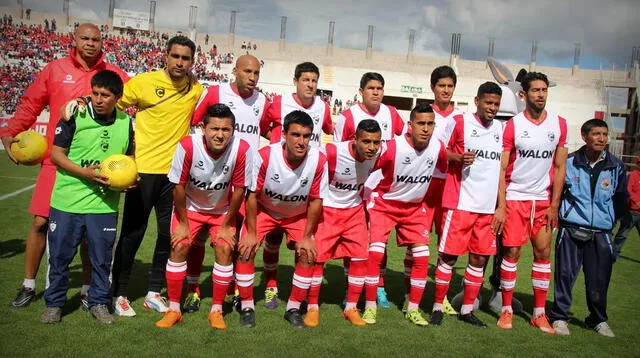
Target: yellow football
(30, 149)
(121, 171)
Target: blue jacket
(593, 198)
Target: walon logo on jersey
(535, 154)
(420, 179)
(246, 128)
(160, 92)
(486, 154)
(348, 187)
(207, 185)
(286, 198)
(85, 163)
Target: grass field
(79, 335)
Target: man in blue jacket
(594, 197)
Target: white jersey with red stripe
(444, 120)
(319, 111)
(208, 180)
(347, 176)
(250, 112)
(474, 188)
(532, 147)
(284, 191)
(406, 172)
(387, 117)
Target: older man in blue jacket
(594, 197)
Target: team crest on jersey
(160, 92)
(605, 184)
(200, 165)
(276, 178)
(316, 119)
(406, 161)
(551, 136)
(105, 138)
(304, 182)
(256, 110)
(525, 134)
(385, 126)
(496, 136)
(52, 226)
(225, 169)
(231, 105)
(474, 133)
(429, 163)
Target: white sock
(310, 306)
(371, 304)
(538, 311)
(152, 294)
(437, 307)
(412, 306)
(247, 304)
(293, 304)
(174, 306)
(350, 305)
(507, 309)
(84, 290)
(216, 308)
(466, 309)
(29, 283)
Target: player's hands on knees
(6, 142)
(248, 245)
(552, 217)
(94, 175)
(308, 246)
(228, 235)
(499, 218)
(468, 158)
(76, 105)
(180, 232)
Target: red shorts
(42, 192)
(464, 231)
(342, 233)
(266, 224)
(433, 204)
(523, 221)
(409, 219)
(199, 224)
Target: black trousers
(596, 259)
(153, 191)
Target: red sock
(408, 262)
(444, 272)
(473, 278)
(356, 280)
(376, 252)
(245, 273)
(302, 277)
(383, 269)
(221, 276)
(194, 267)
(508, 274)
(313, 297)
(175, 274)
(271, 255)
(540, 277)
(419, 272)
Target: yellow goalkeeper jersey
(163, 117)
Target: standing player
(391, 124)
(206, 167)
(305, 79)
(407, 164)
(165, 100)
(250, 110)
(342, 231)
(531, 179)
(470, 196)
(290, 183)
(59, 82)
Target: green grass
(79, 335)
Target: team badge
(52, 226)
(160, 92)
(316, 119)
(605, 184)
(225, 169)
(231, 105)
(256, 111)
(304, 182)
(429, 163)
(385, 126)
(551, 136)
(496, 136)
(104, 140)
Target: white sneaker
(604, 329)
(156, 303)
(122, 307)
(561, 327)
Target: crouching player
(82, 206)
(470, 196)
(342, 231)
(290, 181)
(210, 171)
(407, 164)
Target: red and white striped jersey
(284, 191)
(406, 172)
(346, 175)
(532, 148)
(390, 122)
(250, 112)
(285, 104)
(474, 188)
(444, 120)
(208, 180)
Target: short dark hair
(109, 80)
(423, 107)
(369, 126)
(219, 110)
(592, 123)
(371, 76)
(305, 67)
(489, 88)
(533, 76)
(297, 117)
(443, 72)
(182, 41)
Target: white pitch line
(19, 178)
(7, 196)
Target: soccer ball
(30, 149)
(121, 171)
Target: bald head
(247, 73)
(88, 43)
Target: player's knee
(542, 253)
(449, 259)
(512, 252)
(39, 223)
(179, 252)
(222, 248)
